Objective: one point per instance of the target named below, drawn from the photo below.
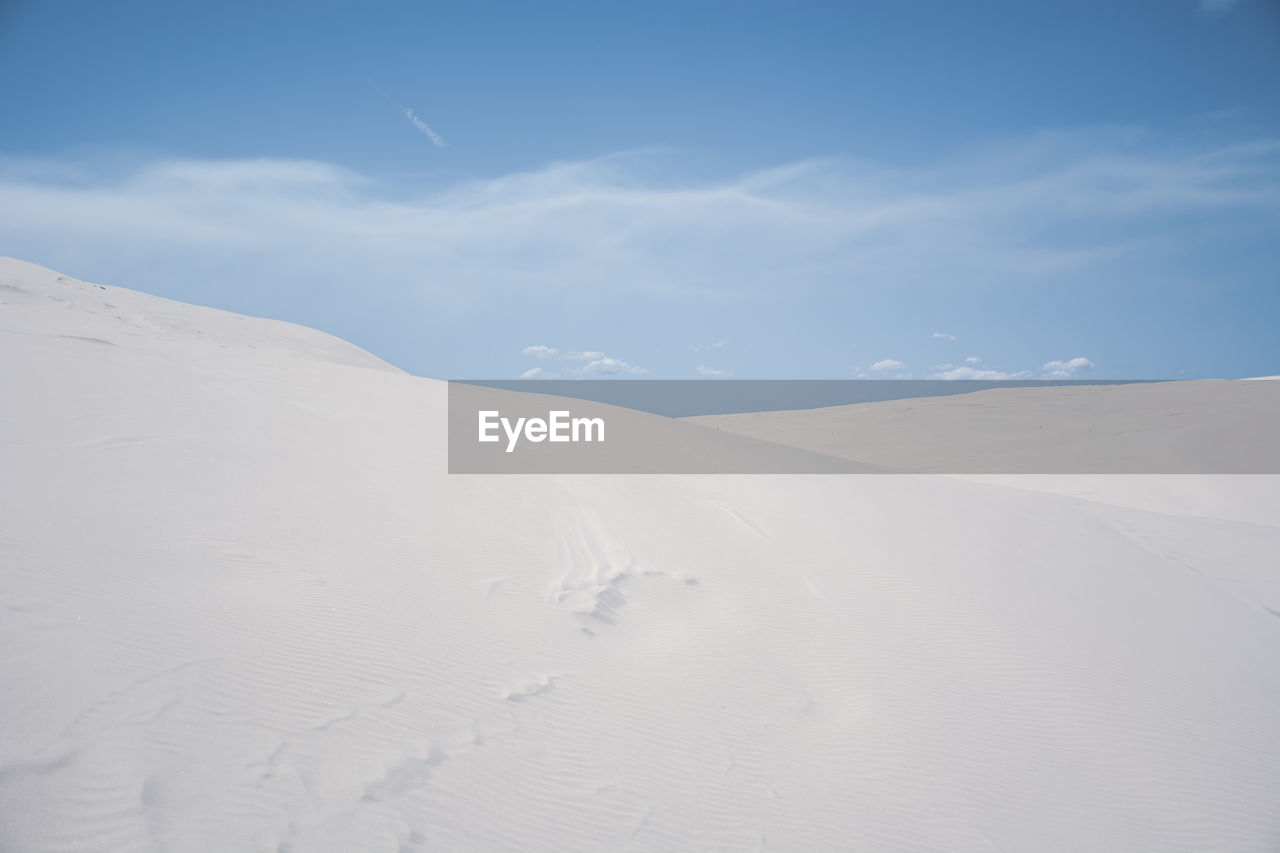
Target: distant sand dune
(1207, 427)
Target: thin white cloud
(1217, 7)
(887, 364)
(1066, 369)
(971, 370)
(943, 336)
(577, 364)
(606, 366)
(966, 372)
(703, 370)
(421, 125)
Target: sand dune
(1184, 426)
(245, 608)
(1204, 427)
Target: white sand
(244, 608)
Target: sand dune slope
(243, 607)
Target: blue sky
(761, 190)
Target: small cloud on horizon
(1066, 369)
(971, 369)
(582, 364)
(887, 364)
(703, 370)
(952, 371)
(943, 336)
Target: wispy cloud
(703, 370)
(570, 226)
(943, 336)
(421, 125)
(413, 118)
(630, 230)
(973, 359)
(887, 364)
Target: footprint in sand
(525, 691)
